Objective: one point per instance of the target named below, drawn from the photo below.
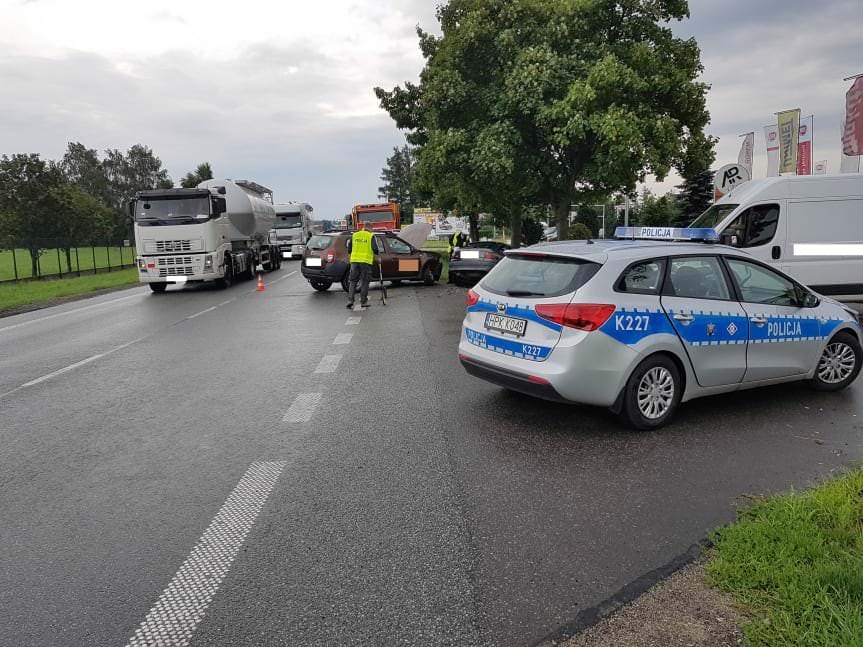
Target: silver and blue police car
(642, 325)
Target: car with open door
(469, 263)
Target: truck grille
(175, 266)
(169, 246)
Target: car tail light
(472, 298)
(582, 316)
(489, 256)
(330, 257)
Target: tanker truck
(218, 232)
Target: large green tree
(193, 178)
(554, 101)
(397, 179)
(136, 170)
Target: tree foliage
(662, 211)
(193, 178)
(552, 102)
(696, 195)
(398, 180)
(580, 232)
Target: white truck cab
(810, 227)
(292, 228)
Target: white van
(810, 227)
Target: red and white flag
(847, 163)
(771, 136)
(852, 135)
(804, 146)
(747, 148)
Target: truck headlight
(208, 262)
(142, 264)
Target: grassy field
(796, 562)
(48, 260)
(15, 295)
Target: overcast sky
(281, 93)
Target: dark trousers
(361, 272)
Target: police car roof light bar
(695, 234)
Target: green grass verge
(15, 295)
(796, 561)
(49, 265)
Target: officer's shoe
(350, 306)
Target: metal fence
(45, 259)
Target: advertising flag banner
(847, 163)
(852, 133)
(820, 168)
(747, 148)
(771, 137)
(788, 122)
(804, 146)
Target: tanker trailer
(218, 231)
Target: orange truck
(383, 216)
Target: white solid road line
(303, 407)
(71, 367)
(353, 321)
(182, 605)
(202, 312)
(71, 312)
(328, 364)
(343, 338)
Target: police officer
(458, 239)
(362, 247)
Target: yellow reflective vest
(361, 247)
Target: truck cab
(292, 228)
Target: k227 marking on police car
(638, 323)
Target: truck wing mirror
(220, 206)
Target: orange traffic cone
(260, 287)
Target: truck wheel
(652, 393)
(227, 280)
(321, 286)
(427, 276)
(839, 364)
(158, 288)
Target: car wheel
(427, 276)
(345, 283)
(839, 364)
(158, 288)
(320, 286)
(652, 393)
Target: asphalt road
(245, 468)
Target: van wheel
(320, 286)
(427, 276)
(839, 364)
(652, 393)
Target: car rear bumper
(333, 272)
(471, 267)
(528, 384)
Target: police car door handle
(758, 321)
(684, 318)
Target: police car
(656, 317)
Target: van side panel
(824, 221)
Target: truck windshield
(172, 211)
(375, 216)
(287, 221)
(714, 215)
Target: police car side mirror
(811, 301)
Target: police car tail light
(472, 298)
(582, 316)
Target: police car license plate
(505, 324)
(313, 261)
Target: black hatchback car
(470, 263)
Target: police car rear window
(538, 276)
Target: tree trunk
(473, 222)
(561, 213)
(515, 223)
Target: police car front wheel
(652, 393)
(839, 363)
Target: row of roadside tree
(533, 106)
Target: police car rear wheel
(652, 393)
(839, 364)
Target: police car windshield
(713, 216)
(538, 276)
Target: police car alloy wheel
(652, 393)
(839, 364)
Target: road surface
(238, 468)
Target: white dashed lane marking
(182, 605)
(303, 407)
(202, 312)
(343, 338)
(353, 321)
(328, 364)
